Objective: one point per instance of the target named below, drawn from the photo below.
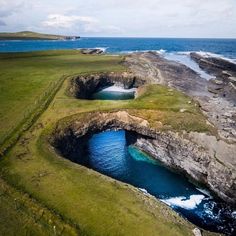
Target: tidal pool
(109, 154)
(114, 93)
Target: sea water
(114, 93)
(170, 48)
(224, 47)
(110, 155)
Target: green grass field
(26, 77)
(82, 201)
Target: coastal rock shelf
(122, 85)
(217, 97)
(223, 70)
(176, 152)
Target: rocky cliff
(85, 86)
(198, 156)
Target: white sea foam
(116, 88)
(182, 202)
(143, 190)
(102, 48)
(233, 214)
(161, 51)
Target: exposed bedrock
(224, 84)
(219, 107)
(84, 86)
(214, 65)
(159, 70)
(91, 51)
(198, 156)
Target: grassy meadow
(28, 79)
(74, 199)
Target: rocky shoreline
(224, 71)
(220, 109)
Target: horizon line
(155, 37)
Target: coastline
(30, 151)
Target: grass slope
(21, 215)
(85, 199)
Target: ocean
(221, 47)
(110, 154)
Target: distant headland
(29, 35)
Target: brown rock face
(191, 154)
(85, 86)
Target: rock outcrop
(85, 86)
(224, 71)
(91, 51)
(217, 98)
(198, 156)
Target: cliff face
(191, 154)
(195, 161)
(85, 86)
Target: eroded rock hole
(111, 86)
(111, 148)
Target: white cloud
(85, 24)
(63, 21)
(159, 18)
(10, 7)
(2, 23)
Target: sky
(122, 18)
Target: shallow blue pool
(114, 93)
(109, 154)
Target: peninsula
(29, 35)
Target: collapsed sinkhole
(74, 145)
(91, 86)
(72, 139)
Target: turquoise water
(113, 95)
(110, 154)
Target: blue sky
(132, 18)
